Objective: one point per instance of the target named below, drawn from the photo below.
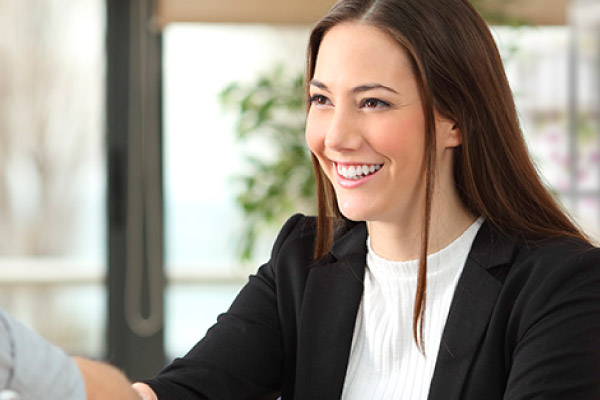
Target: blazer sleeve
(557, 355)
(241, 356)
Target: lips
(357, 171)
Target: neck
(400, 239)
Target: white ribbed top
(384, 360)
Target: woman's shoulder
(302, 229)
(297, 227)
(561, 251)
(557, 264)
(532, 253)
(295, 243)
(295, 239)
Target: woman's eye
(374, 103)
(319, 99)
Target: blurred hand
(103, 381)
(145, 391)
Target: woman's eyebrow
(358, 89)
(372, 86)
(319, 84)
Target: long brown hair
(459, 73)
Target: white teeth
(359, 171)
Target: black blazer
(523, 324)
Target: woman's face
(366, 124)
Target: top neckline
(455, 249)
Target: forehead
(358, 51)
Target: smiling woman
(439, 266)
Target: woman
(439, 266)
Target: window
(553, 74)
(52, 169)
(202, 222)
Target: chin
(353, 214)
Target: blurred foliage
(279, 178)
(271, 111)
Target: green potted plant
(279, 181)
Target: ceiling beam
(532, 12)
(306, 12)
(287, 12)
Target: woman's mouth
(358, 171)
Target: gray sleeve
(34, 368)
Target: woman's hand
(145, 391)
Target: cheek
(399, 135)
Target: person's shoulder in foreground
(32, 367)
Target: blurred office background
(119, 225)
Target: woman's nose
(343, 132)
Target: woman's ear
(454, 136)
(448, 132)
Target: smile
(356, 172)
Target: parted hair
(459, 74)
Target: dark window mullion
(135, 226)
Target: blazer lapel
(332, 296)
(472, 305)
